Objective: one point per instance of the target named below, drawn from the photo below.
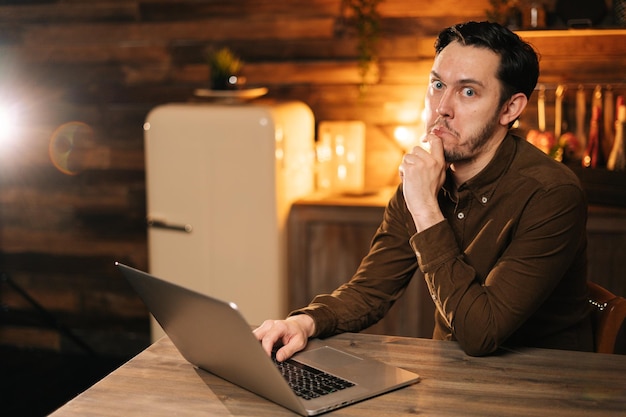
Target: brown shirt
(507, 266)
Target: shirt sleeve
(379, 281)
(483, 313)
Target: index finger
(436, 146)
(263, 333)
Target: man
(496, 226)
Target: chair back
(609, 319)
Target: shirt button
(460, 216)
(484, 200)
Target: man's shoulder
(533, 164)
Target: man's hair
(519, 63)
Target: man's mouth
(441, 128)
(440, 131)
(437, 130)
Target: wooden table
(526, 382)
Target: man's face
(463, 101)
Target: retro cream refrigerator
(220, 181)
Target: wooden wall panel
(107, 63)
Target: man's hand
(293, 333)
(423, 174)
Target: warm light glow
(8, 122)
(406, 136)
(342, 172)
(340, 149)
(410, 122)
(409, 114)
(406, 112)
(424, 115)
(279, 153)
(324, 153)
(340, 156)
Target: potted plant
(225, 69)
(366, 20)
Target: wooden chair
(609, 320)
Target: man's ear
(513, 108)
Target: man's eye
(437, 85)
(469, 92)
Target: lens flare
(70, 147)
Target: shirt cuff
(325, 320)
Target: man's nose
(445, 107)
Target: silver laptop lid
(213, 335)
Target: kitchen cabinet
(606, 250)
(328, 236)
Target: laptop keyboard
(308, 382)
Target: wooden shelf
(559, 33)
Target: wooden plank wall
(106, 63)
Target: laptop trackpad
(327, 357)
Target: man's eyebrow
(470, 81)
(463, 81)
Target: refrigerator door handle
(162, 224)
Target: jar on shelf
(533, 15)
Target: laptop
(213, 335)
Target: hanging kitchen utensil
(569, 146)
(558, 110)
(594, 157)
(581, 109)
(541, 108)
(540, 137)
(617, 158)
(608, 112)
